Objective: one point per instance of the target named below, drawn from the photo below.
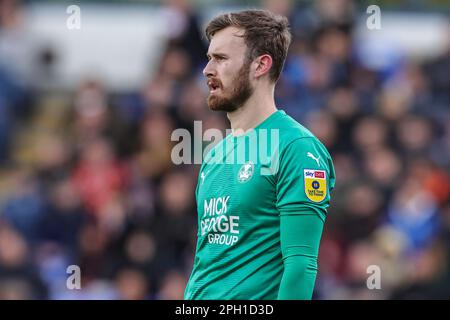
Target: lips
(213, 86)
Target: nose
(208, 71)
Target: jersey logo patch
(309, 154)
(246, 172)
(315, 184)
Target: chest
(235, 188)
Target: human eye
(218, 57)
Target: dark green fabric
(300, 235)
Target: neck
(254, 111)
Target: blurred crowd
(86, 176)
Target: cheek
(228, 74)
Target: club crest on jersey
(246, 172)
(315, 184)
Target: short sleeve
(305, 178)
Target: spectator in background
(25, 204)
(184, 31)
(18, 277)
(14, 77)
(99, 179)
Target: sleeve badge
(315, 184)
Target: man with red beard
(260, 220)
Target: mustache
(214, 82)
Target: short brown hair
(264, 33)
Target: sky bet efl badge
(315, 184)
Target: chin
(214, 103)
(215, 107)
(218, 104)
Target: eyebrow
(217, 55)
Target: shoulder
(295, 137)
(301, 149)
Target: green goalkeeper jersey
(247, 185)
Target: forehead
(228, 40)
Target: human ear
(263, 65)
